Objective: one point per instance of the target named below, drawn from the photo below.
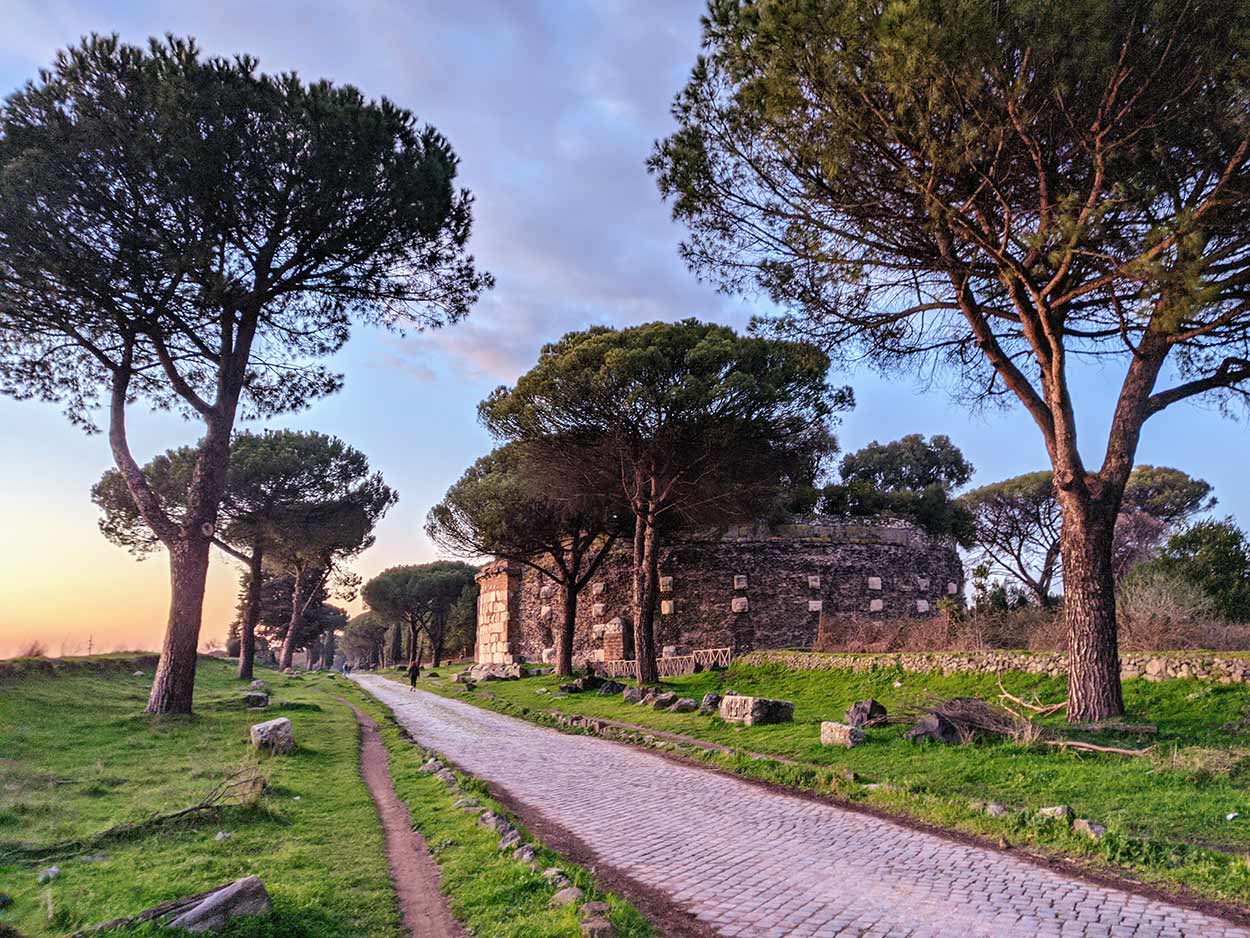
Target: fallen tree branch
(1079, 746)
(1043, 710)
(239, 786)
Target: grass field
(1168, 813)
(78, 758)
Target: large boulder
(755, 711)
(710, 703)
(685, 705)
(840, 734)
(664, 701)
(241, 898)
(865, 713)
(276, 736)
(611, 688)
(632, 695)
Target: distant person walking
(414, 672)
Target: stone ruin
(755, 587)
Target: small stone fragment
(566, 896)
(524, 853)
(594, 909)
(1060, 812)
(541, 690)
(664, 701)
(1091, 829)
(138, 674)
(598, 928)
(685, 705)
(509, 840)
(840, 734)
(274, 736)
(49, 873)
(994, 809)
(223, 835)
(709, 704)
(258, 685)
(466, 804)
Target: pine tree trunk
(247, 633)
(327, 654)
(644, 634)
(568, 627)
(397, 646)
(173, 688)
(1094, 691)
(297, 603)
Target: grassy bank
(491, 892)
(77, 757)
(1167, 814)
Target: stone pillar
(498, 619)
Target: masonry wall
(756, 587)
(498, 624)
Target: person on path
(414, 672)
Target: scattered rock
(685, 705)
(1060, 812)
(730, 693)
(709, 704)
(49, 873)
(95, 858)
(509, 840)
(664, 701)
(223, 835)
(524, 853)
(433, 765)
(138, 674)
(755, 711)
(865, 713)
(847, 775)
(1231, 816)
(5, 900)
(897, 684)
(936, 727)
(647, 700)
(258, 685)
(460, 678)
(1091, 829)
(594, 909)
(611, 688)
(566, 896)
(241, 898)
(447, 777)
(254, 700)
(274, 736)
(541, 690)
(598, 928)
(632, 695)
(840, 734)
(466, 804)
(431, 674)
(994, 809)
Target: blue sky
(553, 109)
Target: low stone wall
(1207, 666)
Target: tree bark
(644, 615)
(396, 651)
(288, 643)
(173, 687)
(327, 653)
(247, 632)
(1094, 691)
(568, 628)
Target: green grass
(491, 893)
(78, 757)
(1167, 813)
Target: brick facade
(755, 587)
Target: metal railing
(672, 666)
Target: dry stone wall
(757, 587)
(1223, 668)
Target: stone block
(739, 604)
(614, 626)
(952, 588)
(598, 609)
(710, 703)
(922, 583)
(865, 713)
(597, 588)
(276, 736)
(666, 607)
(242, 898)
(632, 695)
(668, 651)
(740, 581)
(546, 591)
(663, 701)
(544, 612)
(755, 711)
(254, 699)
(922, 605)
(840, 734)
(876, 605)
(813, 582)
(666, 584)
(814, 605)
(685, 705)
(874, 582)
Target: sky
(553, 109)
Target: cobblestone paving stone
(758, 864)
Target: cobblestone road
(753, 863)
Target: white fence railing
(672, 666)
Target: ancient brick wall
(498, 622)
(756, 587)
